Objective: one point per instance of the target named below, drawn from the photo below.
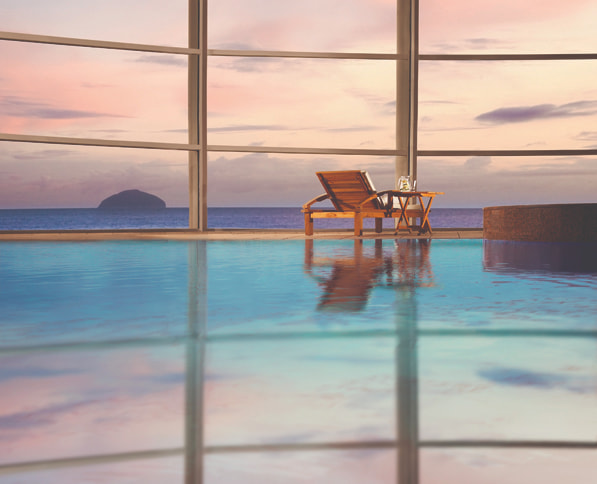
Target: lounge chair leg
(378, 225)
(308, 224)
(358, 225)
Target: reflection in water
(402, 403)
(552, 257)
(346, 280)
(346, 286)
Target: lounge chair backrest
(348, 188)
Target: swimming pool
(374, 361)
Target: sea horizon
(218, 217)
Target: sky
(96, 93)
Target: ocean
(220, 218)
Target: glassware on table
(404, 184)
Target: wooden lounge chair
(353, 196)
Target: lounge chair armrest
(377, 195)
(320, 198)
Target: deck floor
(228, 234)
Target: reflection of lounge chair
(348, 286)
(347, 280)
(353, 196)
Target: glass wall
(506, 101)
(502, 100)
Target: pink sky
(62, 91)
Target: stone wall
(575, 222)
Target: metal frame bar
(304, 55)
(505, 57)
(60, 140)
(98, 44)
(6, 469)
(197, 114)
(25, 138)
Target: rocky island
(132, 200)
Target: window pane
(53, 176)
(279, 180)
(302, 103)
(507, 26)
(92, 93)
(160, 22)
(482, 181)
(308, 25)
(507, 105)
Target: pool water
(317, 361)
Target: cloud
(389, 108)
(587, 136)
(346, 359)
(42, 154)
(44, 416)
(172, 378)
(248, 127)
(508, 180)
(521, 114)
(294, 438)
(255, 64)
(477, 162)
(542, 380)
(262, 179)
(482, 43)
(590, 136)
(32, 372)
(436, 101)
(237, 46)
(473, 44)
(168, 60)
(17, 107)
(84, 176)
(351, 129)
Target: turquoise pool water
(298, 361)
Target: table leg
(403, 206)
(425, 225)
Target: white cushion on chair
(369, 180)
